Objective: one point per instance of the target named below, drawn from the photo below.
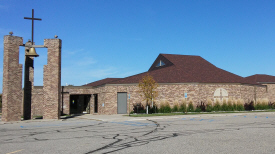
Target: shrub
(138, 108)
(258, 106)
(152, 109)
(200, 107)
(165, 107)
(234, 105)
(240, 106)
(265, 100)
(175, 107)
(161, 106)
(262, 105)
(190, 107)
(230, 105)
(209, 106)
(271, 105)
(249, 106)
(197, 110)
(182, 107)
(224, 106)
(217, 106)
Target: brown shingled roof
(101, 82)
(260, 78)
(184, 69)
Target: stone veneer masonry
(171, 92)
(12, 79)
(270, 92)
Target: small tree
(148, 86)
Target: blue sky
(119, 38)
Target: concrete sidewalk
(125, 117)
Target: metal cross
(32, 18)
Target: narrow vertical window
(160, 63)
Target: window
(161, 63)
(220, 94)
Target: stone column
(92, 103)
(52, 80)
(28, 84)
(66, 103)
(12, 79)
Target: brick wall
(52, 80)
(65, 103)
(107, 95)
(12, 79)
(37, 102)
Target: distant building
(179, 77)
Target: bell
(32, 52)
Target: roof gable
(184, 69)
(160, 59)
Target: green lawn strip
(194, 113)
(37, 117)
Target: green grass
(37, 117)
(192, 113)
(155, 114)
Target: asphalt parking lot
(219, 133)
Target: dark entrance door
(79, 104)
(121, 103)
(96, 103)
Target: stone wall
(261, 92)
(270, 92)
(176, 92)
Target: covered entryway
(121, 103)
(79, 104)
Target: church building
(178, 77)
